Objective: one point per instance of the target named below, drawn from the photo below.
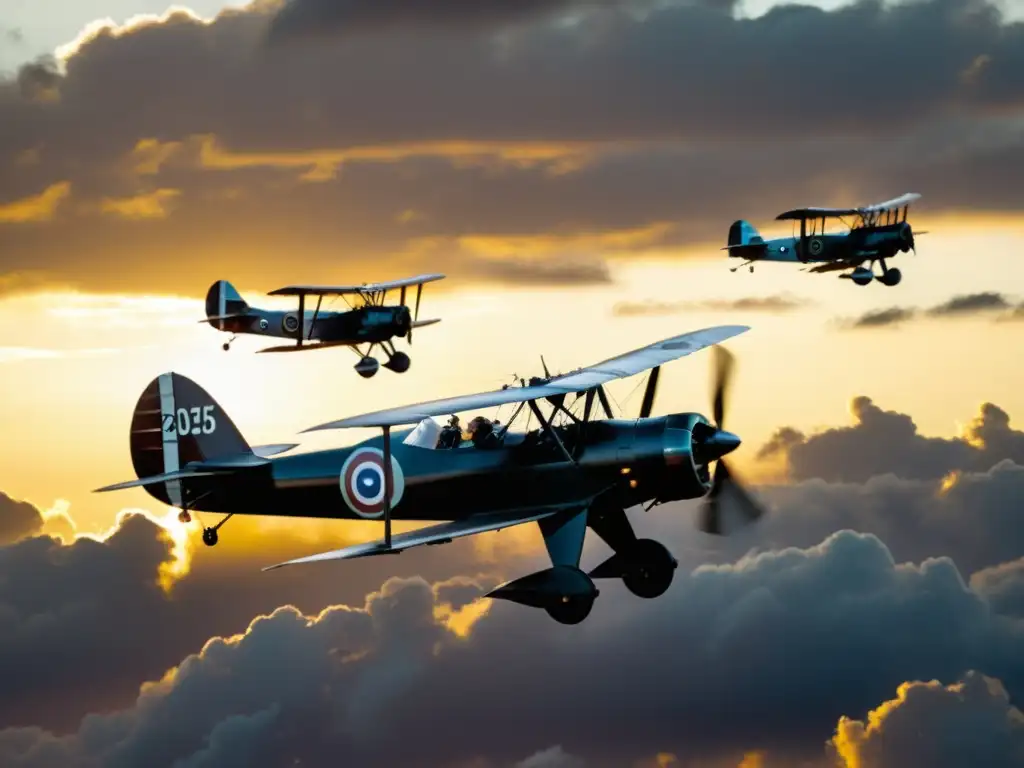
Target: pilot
(451, 434)
(481, 432)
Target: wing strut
(312, 323)
(389, 483)
(302, 318)
(550, 430)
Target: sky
(573, 166)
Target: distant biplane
(570, 473)
(876, 233)
(372, 323)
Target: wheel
(367, 367)
(226, 347)
(572, 610)
(862, 280)
(184, 517)
(891, 278)
(651, 571)
(209, 537)
(399, 362)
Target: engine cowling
(683, 477)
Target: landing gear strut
(368, 366)
(210, 534)
(227, 344)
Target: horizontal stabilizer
(421, 323)
(181, 474)
(216, 318)
(266, 451)
(434, 534)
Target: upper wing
(341, 290)
(619, 367)
(434, 534)
(819, 213)
(888, 205)
(816, 213)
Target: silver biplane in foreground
(876, 233)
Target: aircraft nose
(718, 444)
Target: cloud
(489, 131)
(967, 305)
(323, 18)
(971, 722)
(793, 635)
(536, 272)
(148, 205)
(35, 208)
(881, 442)
(18, 519)
(970, 304)
(780, 303)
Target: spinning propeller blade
(727, 495)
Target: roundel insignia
(362, 482)
(816, 246)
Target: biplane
(372, 323)
(570, 473)
(874, 233)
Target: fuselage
(361, 325)
(857, 245)
(639, 460)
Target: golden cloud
(148, 205)
(39, 207)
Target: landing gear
(650, 569)
(571, 610)
(367, 367)
(227, 344)
(399, 362)
(890, 277)
(645, 566)
(210, 536)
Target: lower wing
(436, 534)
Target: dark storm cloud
(749, 304)
(615, 123)
(315, 18)
(127, 628)
(800, 637)
(18, 519)
(882, 442)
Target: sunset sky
(573, 166)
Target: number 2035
(194, 421)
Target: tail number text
(192, 421)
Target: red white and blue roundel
(362, 482)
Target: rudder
(744, 239)
(222, 303)
(176, 422)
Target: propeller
(727, 495)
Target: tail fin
(177, 422)
(744, 240)
(223, 302)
